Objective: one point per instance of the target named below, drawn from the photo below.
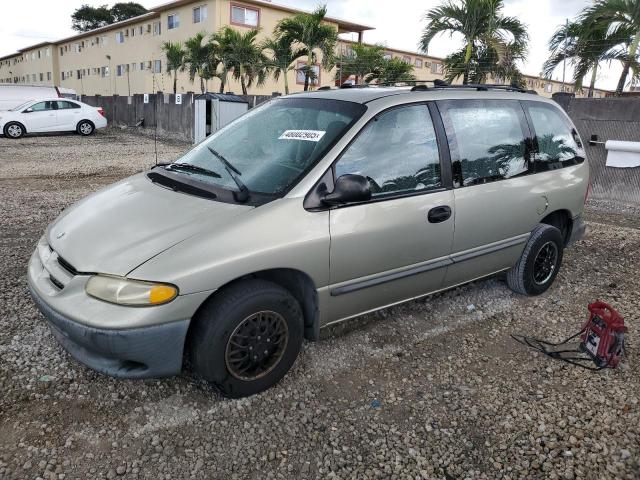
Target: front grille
(67, 266)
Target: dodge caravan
(309, 210)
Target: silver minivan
(309, 210)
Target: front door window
(397, 151)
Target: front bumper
(152, 351)
(132, 342)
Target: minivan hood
(120, 227)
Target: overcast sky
(395, 26)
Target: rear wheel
(85, 127)
(539, 263)
(14, 130)
(247, 337)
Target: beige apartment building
(126, 57)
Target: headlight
(123, 291)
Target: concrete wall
(609, 119)
(161, 110)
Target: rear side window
(486, 139)
(62, 104)
(556, 141)
(396, 151)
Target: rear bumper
(578, 230)
(100, 122)
(152, 351)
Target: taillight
(101, 111)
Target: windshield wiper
(192, 168)
(243, 195)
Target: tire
(532, 275)
(237, 312)
(85, 128)
(14, 130)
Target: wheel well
(561, 219)
(300, 285)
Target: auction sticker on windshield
(308, 135)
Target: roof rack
(420, 86)
(483, 87)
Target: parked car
(310, 210)
(51, 115)
(12, 95)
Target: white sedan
(53, 115)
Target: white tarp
(622, 154)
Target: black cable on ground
(542, 347)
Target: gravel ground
(432, 389)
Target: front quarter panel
(280, 234)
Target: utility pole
(564, 61)
(128, 81)
(110, 73)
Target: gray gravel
(432, 389)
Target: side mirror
(28, 110)
(348, 189)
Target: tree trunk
(467, 59)
(286, 82)
(306, 79)
(175, 82)
(307, 71)
(243, 85)
(633, 48)
(202, 85)
(592, 84)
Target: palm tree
(363, 61)
(242, 56)
(619, 17)
(175, 60)
(283, 56)
(584, 46)
(488, 36)
(198, 59)
(395, 70)
(309, 31)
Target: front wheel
(14, 130)
(85, 127)
(539, 263)
(247, 337)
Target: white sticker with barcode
(307, 135)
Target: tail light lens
(101, 111)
